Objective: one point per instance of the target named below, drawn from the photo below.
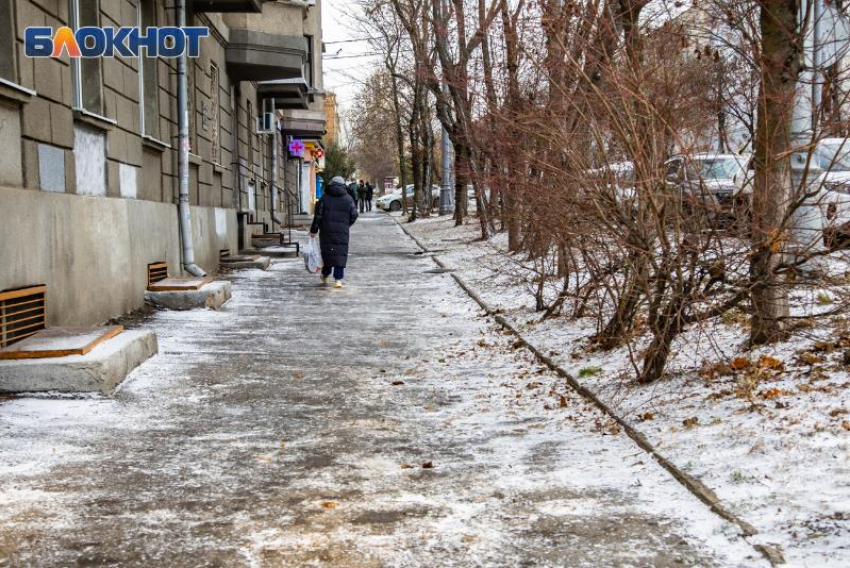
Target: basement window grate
(223, 254)
(23, 312)
(157, 271)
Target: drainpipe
(183, 162)
(235, 164)
(275, 150)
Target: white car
(722, 181)
(615, 180)
(392, 202)
(833, 191)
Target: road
(384, 424)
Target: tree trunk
(780, 52)
(461, 169)
(399, 137)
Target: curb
(693, 485)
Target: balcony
(303, 123)
(287, 93)
(243, 6)
(259, 56)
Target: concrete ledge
(263, 242)
(275, 252)
(262, 263)
(100, 370)
(212, 295)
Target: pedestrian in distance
(336, 212)
(352, 190)
(361, 195)
(370, 194)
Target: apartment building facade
(331, 119)
(89, 164)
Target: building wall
(93, 252)
(331, 120)
(86, 202)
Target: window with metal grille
(215, 102)
(23, 312)
(148, 74)
(8, 69)
(87, 72)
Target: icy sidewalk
(775, 452)
(385, 424)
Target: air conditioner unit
(266, 123)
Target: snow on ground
(773, 443)
(267, 434)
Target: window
(148, 75)
(8, 69)
(87, 71)
(308, 64)
(216, 106)
(190, 104)
(191, 96)
(250, 115)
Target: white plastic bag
(312, 256)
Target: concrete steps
(212, 295)
(100, 370)
(246, 259)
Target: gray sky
(344, 67)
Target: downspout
(235, 164)
(275, 150)
(183, 161)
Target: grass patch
(824, 299)
(737, 477)
(589, 372)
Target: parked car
(618, 178)
(832, 200)
(720, 183)
(392, 202)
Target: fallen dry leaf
(648, 416)
(428, 465)
(740, 363)
(397, 383)
(563, 401)
(810, 358)
(406, 465)
(690, 422)
(845, 424)
(330, 504)
(768, 362)
(770, 394)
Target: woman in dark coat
(335, 213)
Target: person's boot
(325, 278)
(338, 284)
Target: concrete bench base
(262, 242)
(274, 252)
(262, 263)
(213, 296)
(100, 370)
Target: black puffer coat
(335, 213)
